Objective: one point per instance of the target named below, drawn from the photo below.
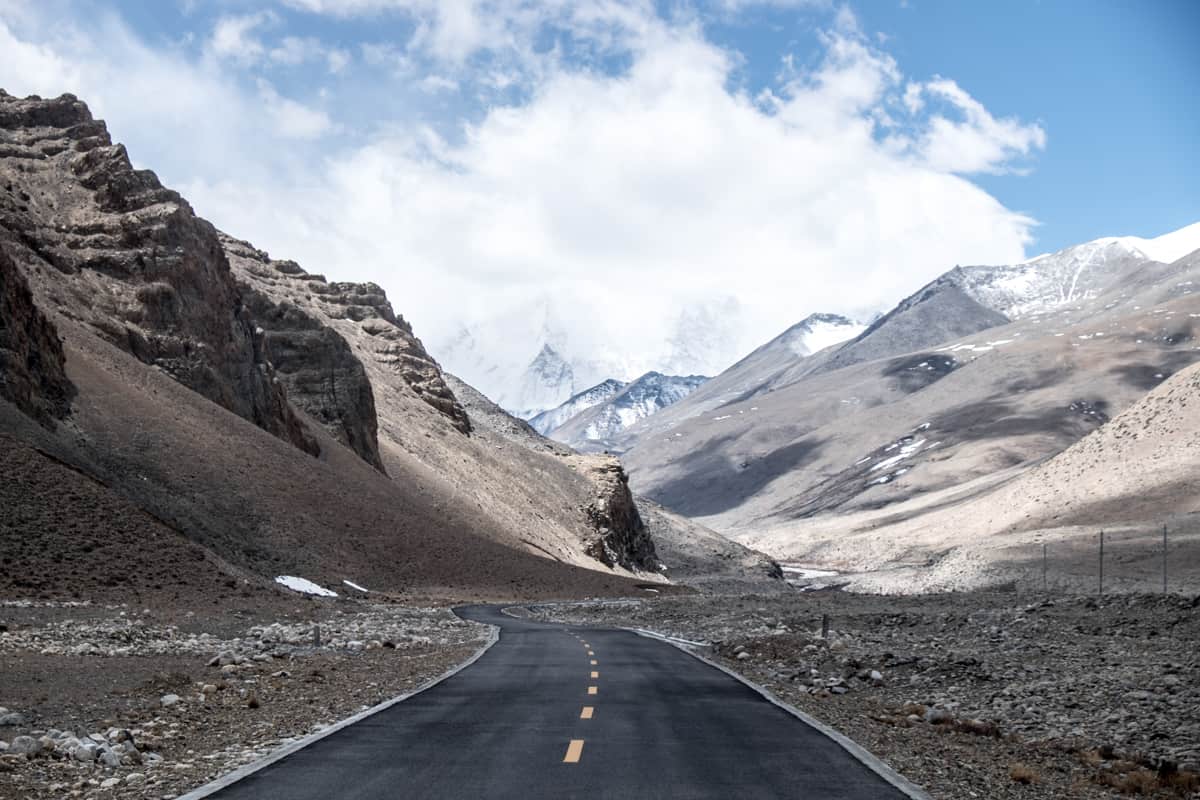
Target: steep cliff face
(109, 246)
(620, 535)
(322, 374)
(357, 311)
(32, 374)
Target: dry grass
(1023, 773)
(1135, 775)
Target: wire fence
(1144, 559)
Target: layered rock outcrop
(115, 250)
(322, 374)
(621, 536)
(32, 366)
(358, 311)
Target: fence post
(1044, 589)
(1101, 592)
(1164, 559)
(824, 626)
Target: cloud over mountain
(613, 160)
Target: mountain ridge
(281, 423)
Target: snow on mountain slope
(761, 371)
(543, 383)
(814, 333)
(1072, 274)
(1169, 247)
(1049, 281)
(549, 420)
(596, 427)
(528, 360)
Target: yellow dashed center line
(595, 674)
(587, 712)
(592, 690)
(574, 751)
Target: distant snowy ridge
(547, 421)
(1071, 275)
(649, 394)
(816, 332)
(1050, 281)
(1169, 247)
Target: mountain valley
(242, 501)
(852, 457)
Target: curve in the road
(555, 711)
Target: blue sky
(1114, 85)
(727, 165)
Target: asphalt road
(552, 711)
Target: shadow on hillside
(715, 482)
(1147, 376)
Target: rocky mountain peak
(133, 262)
(321, 332)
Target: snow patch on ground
(354, 586)
(910, 449)
(304, 586)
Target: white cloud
(437, 83)
(293, 120)
(337, 59)
(634, 205)
(976, 141)
(233, 37)
(637, 201)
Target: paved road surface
(544, 715)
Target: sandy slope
(269, 508)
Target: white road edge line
(872, 762)
(254, 766)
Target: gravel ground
(970, 695)
(119, 702)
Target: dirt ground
(141, 686)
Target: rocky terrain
(127, 258)
(685, 552)
(119, 701)
(969, 695)
(374, 349)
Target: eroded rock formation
(115, 250)
(621, 536)
(360, 311)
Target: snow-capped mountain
(815, 332)
(768, 364)
(547, 421)
(1070, 275)
(595, 427)
(1171, 246)
(1050, 281)
(529, 359)
(543, 383)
